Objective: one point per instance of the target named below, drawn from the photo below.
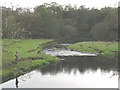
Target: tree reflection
(82, 64)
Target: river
(75, 70)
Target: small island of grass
(108, 49)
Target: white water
(64, 52)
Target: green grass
(25, 48)
(107, 50)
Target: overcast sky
(32, 3)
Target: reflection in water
(25, 77)
(75, 63)
(81, 64)
(114, 73)
(72, 72)
(16, 83)
(22, 78)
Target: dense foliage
(62, 23)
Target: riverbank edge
(42, 63)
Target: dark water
(81, 65)
(71, 72)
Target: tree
(101, 31)
(53, 21)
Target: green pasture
(108, 49)
(25, 48)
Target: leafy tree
(61, 23)
(101, 31)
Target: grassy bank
(30, 56)
(108, 49)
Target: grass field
(29, 58)
(108, 49)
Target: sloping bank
(108, 49)
(30, 56)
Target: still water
(74, 71)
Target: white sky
(32, 3)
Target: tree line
(53, 21)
